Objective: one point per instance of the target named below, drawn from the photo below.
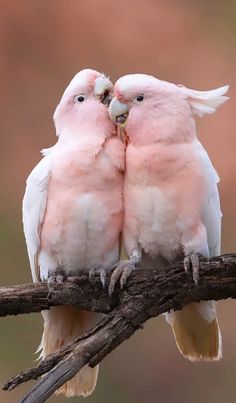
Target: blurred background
(43, 44)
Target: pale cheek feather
(72, 118)
(150, 122)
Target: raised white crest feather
(203, 102)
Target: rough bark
(147, 294)
(82, 291)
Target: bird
(171, 200)
(73, 209)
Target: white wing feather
(34, 206)
(211, 212)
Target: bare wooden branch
(148, 294)
(79, 291)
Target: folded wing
(34, 206)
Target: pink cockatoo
(171, 200)
(73, 208)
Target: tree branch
(148, 293)
(79, 291)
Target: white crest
(203, 102)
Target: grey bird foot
(56, 277)
(121, 272)
(191, 262)
(99, 270)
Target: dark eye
(139, 98)
(80, 98)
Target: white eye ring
(139, 98)
(79, 98)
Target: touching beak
(103, 90)
(118, 112)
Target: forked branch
(147, 294)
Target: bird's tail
(196, 330)
(61, 325)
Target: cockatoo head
(152, 110)
(84, 103)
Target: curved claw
(120, 274)
(191, 261)
(56, 277)
(101, 272)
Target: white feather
(211, 211)
(46, 151)
(203, 102)
(34, 206)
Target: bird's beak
(118, 112)
(103, 90)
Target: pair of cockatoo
(160, 192)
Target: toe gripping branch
(151, 293)
(122, 271)
(192, 263)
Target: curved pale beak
(118, 112)
(103, 90)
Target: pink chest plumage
(84, 198)
(163, 189)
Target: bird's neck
(161, 131)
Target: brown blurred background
(42, 45)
